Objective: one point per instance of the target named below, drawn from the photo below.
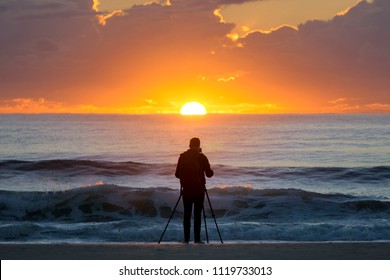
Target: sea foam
(112, 213)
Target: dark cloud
(42, 44)
(22, 9)
(46, 46)
(24, 21)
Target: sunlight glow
(193, 108)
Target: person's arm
(207, 169)
(178, 169)
(178, 173)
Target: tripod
(215, 220)
(204, 217)
(173, 212)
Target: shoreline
(212, 251)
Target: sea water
(110, 178)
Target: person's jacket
(191, 169)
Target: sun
(193, 108)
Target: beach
(211, 251)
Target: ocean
(110, 178)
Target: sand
(212, 251)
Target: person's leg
(187, 203)
(198, 207)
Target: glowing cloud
(29, 105)
(103, 18)
(107, 9)
(95, 5)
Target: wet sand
(212, 251)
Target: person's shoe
(186, 242)
(199, 242)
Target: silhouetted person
(191, 169)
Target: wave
(62, 167)
(111, 202)
(114, 213)
(357, 174)
(82, 167)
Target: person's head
(195, 143)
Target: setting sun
(193, 108)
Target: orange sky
(233, 56)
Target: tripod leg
(212, 212)
(173, 212)
(205, 225)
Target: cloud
(44, 45)
(27, 10)
(260, 15)
(42, 105)
(26, 22)
(102, 18)
(110, 5)
(348, 55)
(343, 105)
(29, 105)
(108, 9)
(376, 107)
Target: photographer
(191, 169)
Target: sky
(233, 56)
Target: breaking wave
(62, 167)
(112, 213)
